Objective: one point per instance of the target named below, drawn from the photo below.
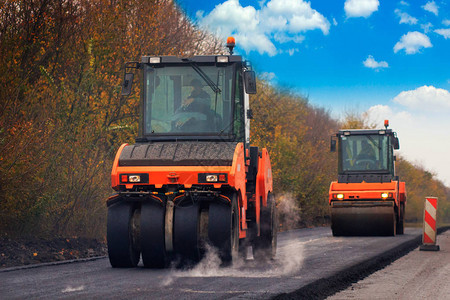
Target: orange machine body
(386, 191)
(187, 177)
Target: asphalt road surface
(304, 256)
(418, 275)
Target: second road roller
(191, 181)
(368, 198)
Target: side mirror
(127, 84)
(250, 82)
(249, 114)
(396, 143)
(332, 145)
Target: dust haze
(288, 261)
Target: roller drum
(363, 218)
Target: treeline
(420, 183)
(297, 136)
(62, 117)
(61, 113)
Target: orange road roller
(191, 179)
(368, 198)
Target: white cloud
(412, 42)
(405, 18)
(404, 3)
(425, 98)
(268, 76)
(444, 32)
(446, 22)
(282, 38)
(423, 134)
(426, 27)
(360, 8)
(335, 23)
(431, 7)
(370, 62)
(292, 51)
(279, 21)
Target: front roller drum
(122, 235)
(363, 219)
(152, 235)
(186, 233)
(223, 229)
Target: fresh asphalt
(309, 263)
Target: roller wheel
(122, 235)
(265, 246)
(400, 222)
(363, 221)
(186, 233)
(152, 235)
(223, 229)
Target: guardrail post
(429, 225)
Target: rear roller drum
(265, 246)
(122, 235)
(186, 233)
(223, 229)
(363, 221)
(152, 235)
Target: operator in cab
(194, 113)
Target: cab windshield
(179, 101)
(364, 153)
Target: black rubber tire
(186, 234)
(265, 246)
(152, 235)
(223, 229)
(401, 221)
(122, 250)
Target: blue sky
(389, 58)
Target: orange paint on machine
(192, 178)
(368, 198)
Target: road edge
(53, 263)
(325, 287)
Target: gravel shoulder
(29, 251)
(418, 275)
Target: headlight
(134, 178)
(386, 195)
(211, 178)
(154, 60)
(340, 196)
(222, 59)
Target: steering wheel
(367, 163)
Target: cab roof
(196, 59)
(365, 131)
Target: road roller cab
(368, 198)
(191, 179)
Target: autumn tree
(61, 114)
